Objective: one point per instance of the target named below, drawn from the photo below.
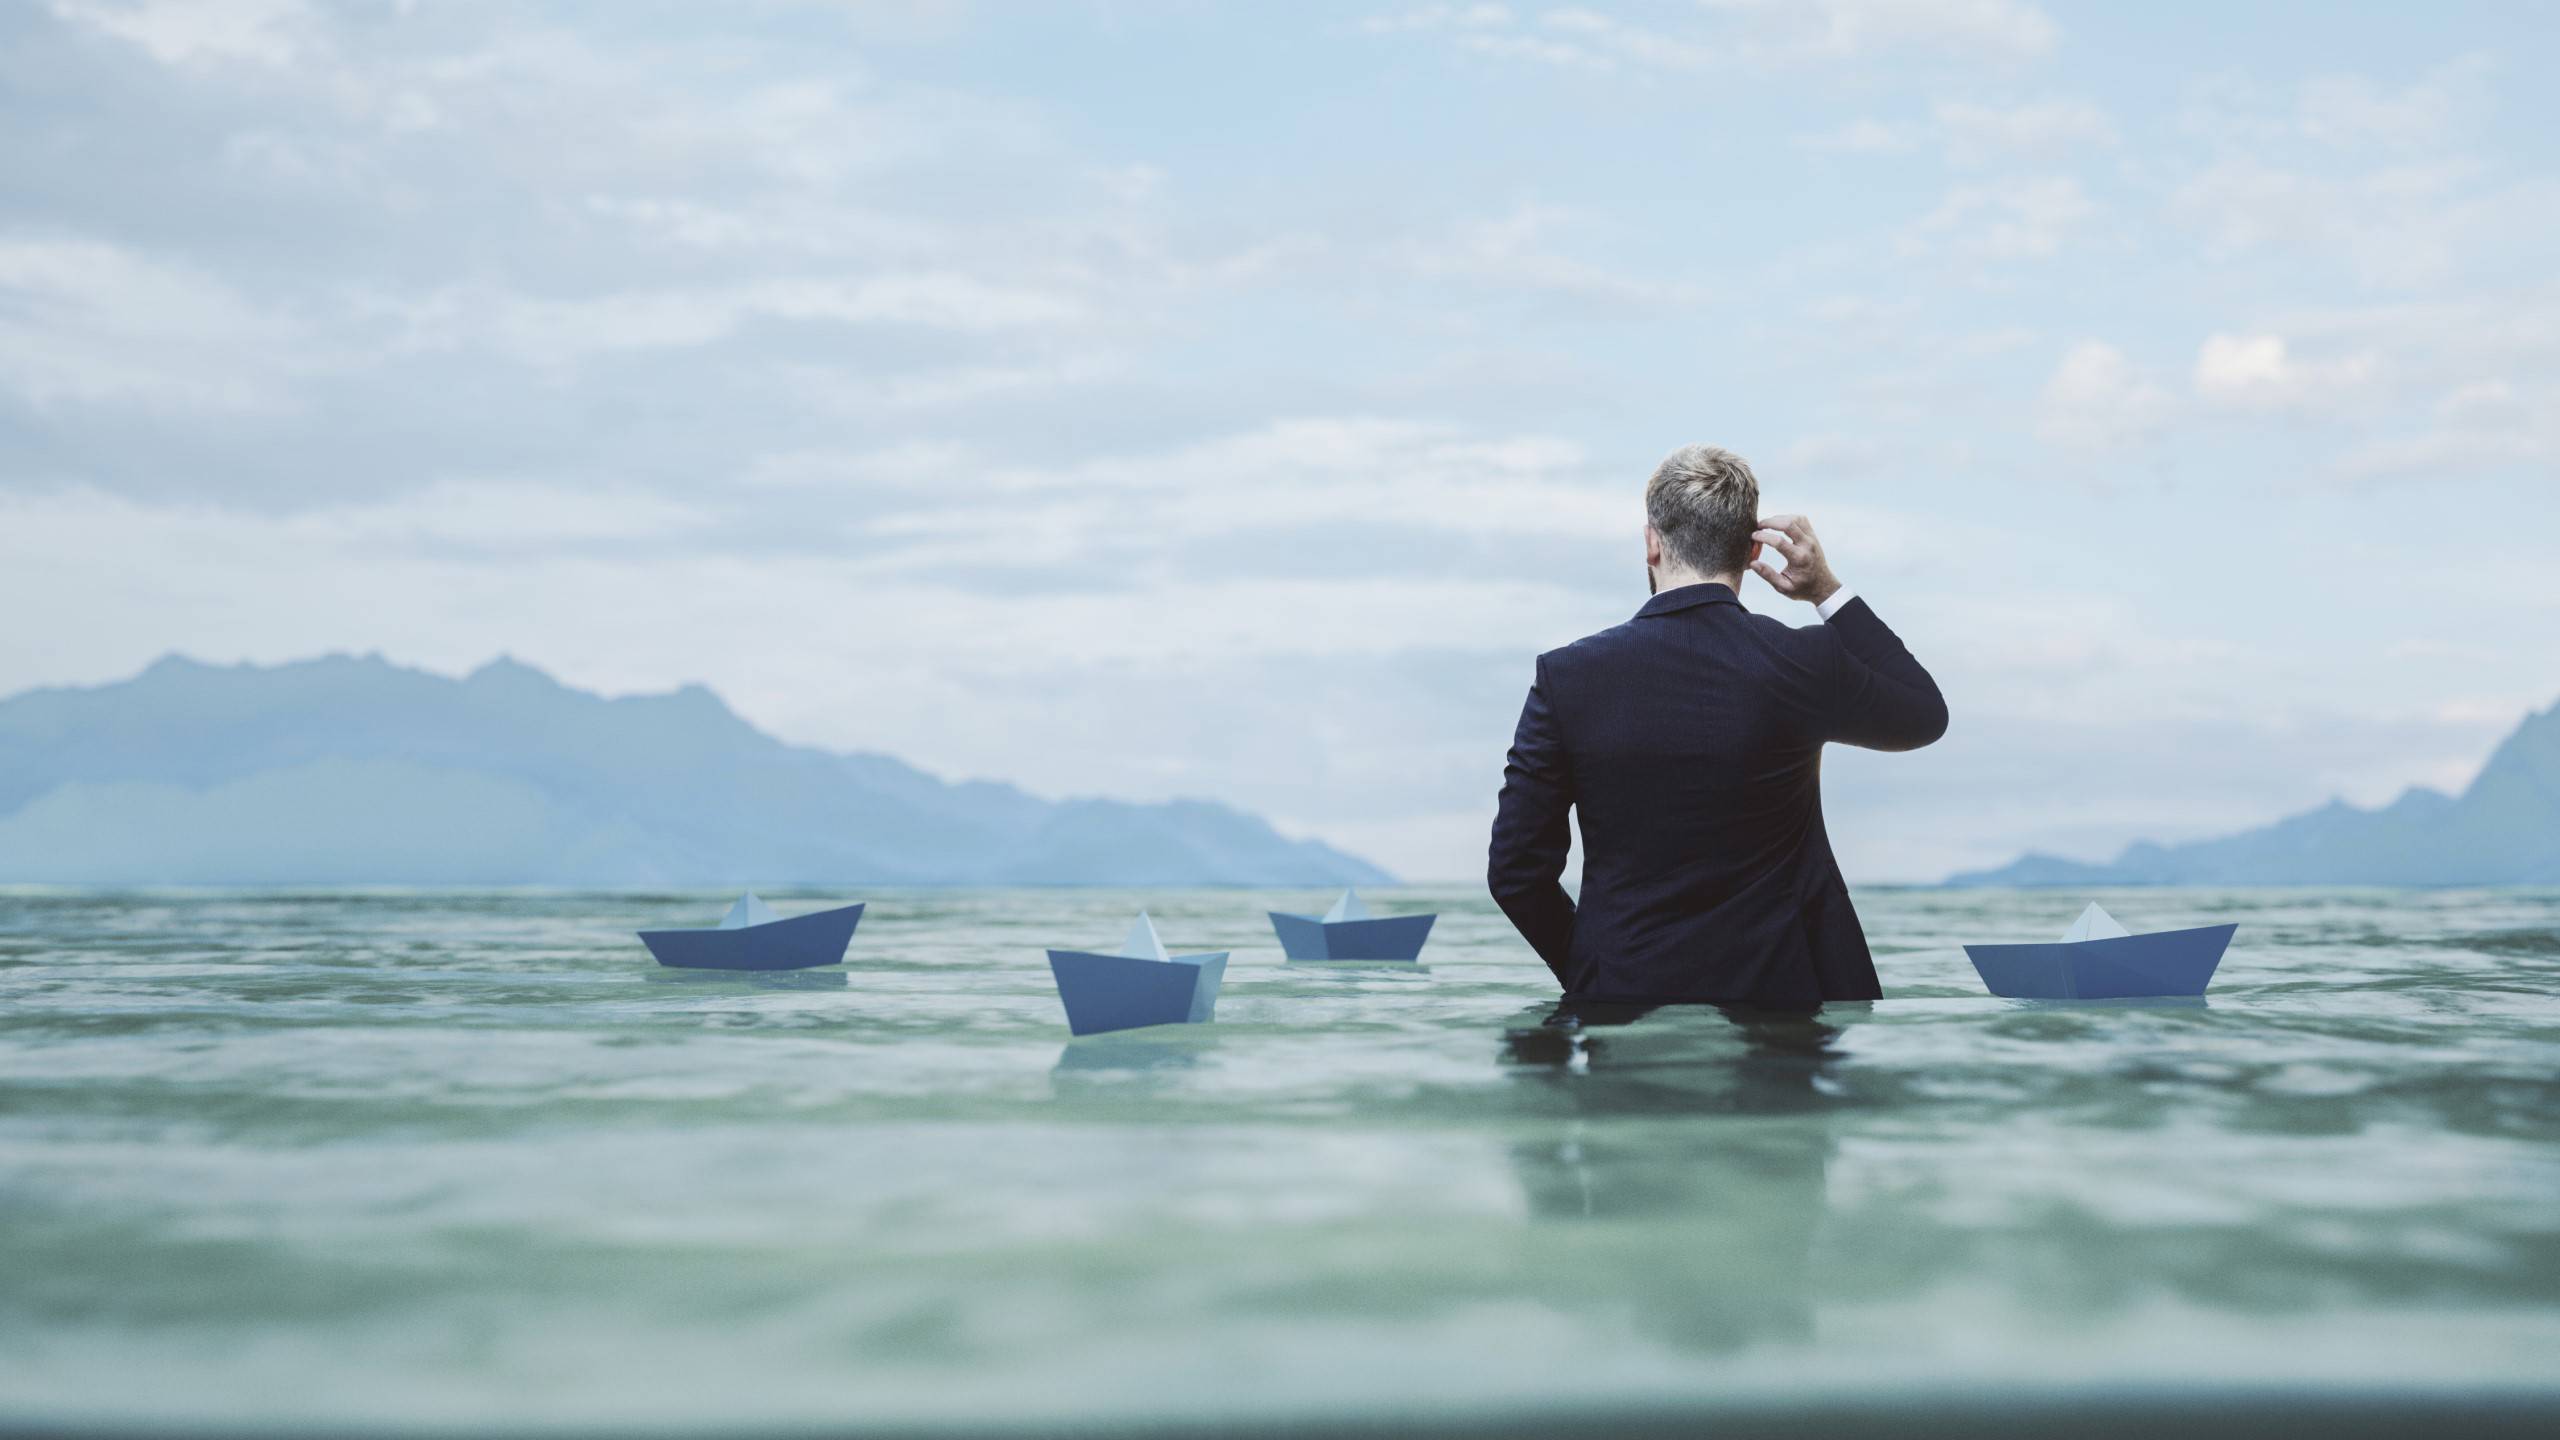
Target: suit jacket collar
(1688, 597)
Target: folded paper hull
(2126, 967)
(1396, 937)
(794, 944)
(1124, 992)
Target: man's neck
(1673, 577)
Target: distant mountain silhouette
(355, 770)
(2503, 830)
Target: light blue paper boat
(1137, 985)
(2097, 960)
(1349, 932)
(752, 937)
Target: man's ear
(1755, 555)
(1652, 547)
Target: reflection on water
(2129, 1002)
(347, 1161)
(1614, 1059)
(1163, 1047)
(1643, 1086)
(748, 979)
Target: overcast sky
(1149, 399)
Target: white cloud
(2344, 113)
(2484, 402)
(1833, 456)
(2383, 182)
(200, 32)
(1972, 134)
(1438, 17)
(1347, 475)
(84, 323)
(861, 394)
(2451, 340)
(1569, 37)
(493, 515)
(1517, 250)
(2002, 30)
(2098, 399)
(2351, 110)
(2400, 226)
(1562, 54)
(909, 464)
(298, 161)
(1864, 137)
(2232, 364)
(1615, 40)
(554, 332)
(2028, 219)
(2261, 372)
(789, 225)
(1977, 134)
(204, 575)
(1737, 33)
(2450, 390)
(2484, 427)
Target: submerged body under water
(462, 1159)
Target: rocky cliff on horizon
(2503, 829)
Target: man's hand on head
(1808, 574)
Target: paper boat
(2097, 960)
(752, 937)
(1348, 932)
(1139, 984)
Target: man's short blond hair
(1704, 502)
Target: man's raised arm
(1532, 834)
(1880, 697)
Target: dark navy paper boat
(2097, 960)
(1137, 985)
(752, 937)
(1349, 932)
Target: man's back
(1690, 739)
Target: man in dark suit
(1690, 739)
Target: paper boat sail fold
(752, 937)
(1349, 932)
(2094, 924)
(1139, 984)
(2097, 959)
(750, 910)
(1142, 942)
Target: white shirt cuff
(1839, 597)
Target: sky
(1154, 399)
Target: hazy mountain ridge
(355, 770)
(2504, 829)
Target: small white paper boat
(752, 937)
(1349, 932)
(1138, 984)
(2097, 959)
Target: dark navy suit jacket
(1690, 739)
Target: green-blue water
(456, 1159)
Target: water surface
(459, 1159)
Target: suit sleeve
(1880, 697)
(1533, 832)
